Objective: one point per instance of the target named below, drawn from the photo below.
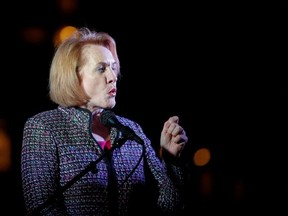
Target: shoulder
(40, 120)
(130, 123)
(44, 116)
(126, 121)
(60, 116)
(56, 115)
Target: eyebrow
(108, 63)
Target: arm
(172, 142)
(169, 174)
(39, 167)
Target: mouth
(112, 92)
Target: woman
(61, 144)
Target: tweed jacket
(58, 145)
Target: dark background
(219, 66)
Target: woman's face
(99, 77)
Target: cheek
(91, 86)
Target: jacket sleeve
(169, 178)
(40, 170)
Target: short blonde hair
(64, 81)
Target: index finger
(173, 119)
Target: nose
(111, 76)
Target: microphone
(108, 118)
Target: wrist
(170, 158)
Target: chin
(110, 105)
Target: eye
(101, 68)
(114, 66)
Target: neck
(100, 129)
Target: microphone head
(109, 119)
(106, 116)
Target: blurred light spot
(201, 157)
(66, 32)
(34, 35)
(206, 184)
(63, 33)
(5, 148)
(239, 191)
(67, 6)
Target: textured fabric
(105, 144)
(58, 144)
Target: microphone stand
(90, 167)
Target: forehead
(97, 52)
